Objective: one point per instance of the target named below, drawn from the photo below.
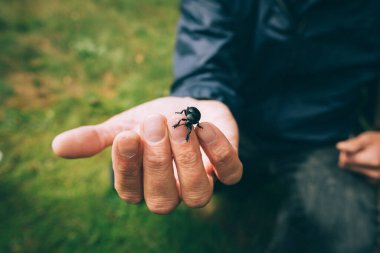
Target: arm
(206, 58)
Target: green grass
(68, 63)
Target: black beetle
(193, 115)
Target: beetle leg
(183, 111)
(178, 124)
(188, 134)
(189, 128)
(199, 126)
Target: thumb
(85, 141)
(353, 145)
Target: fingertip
(347, 147)
(83, 141)
(126, 164)
(210, 135)
(127, 144)
(344, 145)
(205, 125)
(206, 133)
(153, 128)
(56, 145)
(59, 146)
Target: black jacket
(292, 72)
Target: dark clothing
(318, 207)
(292, 72)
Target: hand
(361, 154)
(144, 144)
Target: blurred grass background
(68, 63)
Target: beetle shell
(193, 115)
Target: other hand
(361, 154)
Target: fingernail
(153, 128)
(128, 145)
(177, 134)
(207, 133)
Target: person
(289, 78)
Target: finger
(368, 158)
(353, 145)
(127, 166)
(86, 141)
(342, 161)
(228, 167)
(371, 173)
(196, 186)
(160, 188)
(89, 140)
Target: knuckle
(377, 176)
(365, 137)
(131, 198)
(223, 154)
(196, 200)
(162, 205)
(234, 177)
(130, 170)
(187, 158)
(377, 161)
(373, 175)
(156, 161)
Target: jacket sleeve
(205, 55)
